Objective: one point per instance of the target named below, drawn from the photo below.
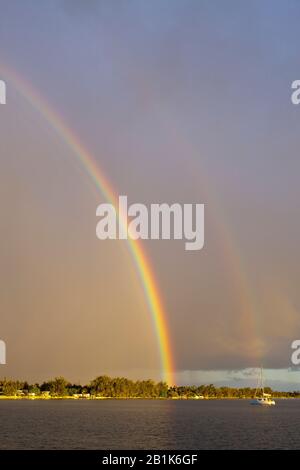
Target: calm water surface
(146, 424)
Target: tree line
(121, 387)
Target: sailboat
(261, 398)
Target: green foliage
(56, 387)
(33, 389)
(121, 387)
(10, 387)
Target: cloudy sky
(178, 101)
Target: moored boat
(261, 398)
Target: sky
(178, 101)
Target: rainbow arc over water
(93, 170)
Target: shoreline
(137, 398)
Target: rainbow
(91, 167)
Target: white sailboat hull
(263, 402)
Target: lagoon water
(148, 424)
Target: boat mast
(261, 380)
